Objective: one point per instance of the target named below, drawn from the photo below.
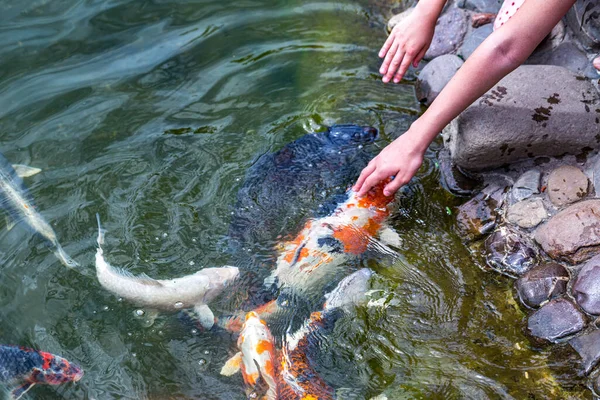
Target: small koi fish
(28, 367)
(18, 203)
(324, 245)
(190, 291)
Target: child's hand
(401, 159)
(407, 43)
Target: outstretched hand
(400, 159)
(406, 44)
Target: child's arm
(503, 51)
(409, 40)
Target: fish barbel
(16, 200)
(190, 291)
(28, 367)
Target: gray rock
(473, 40)
(435, 76)
(554, 38)
(573, 234)
(527, 213)
(588, 348)
(567, 184)
(477, 216)
(486, 6)
(586, 289)
(536, 110)
(450, 31)
(567, 55)
(542, 283)
(583, 19)
(527, 185)
(555, 320)
(509, 252)
(595, 173)
(453, 179)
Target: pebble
(586, 289)
(526, 186)
(555, 320)
(567, 184)
(541, 284)
(527, 213)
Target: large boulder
(586, 289)
(435, 76)
(567, 55)
(573, 234)
(536, 110)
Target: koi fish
(16, 200)
(257, 356)
(190, 291)
(289, 374)
(324, 245)
(28, 367)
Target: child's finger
(363, 175)
(420, 56)
(394, 185)
(386, 46)
(403, 68)
(394, 65)
(388, 59)
(369, 183)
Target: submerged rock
(520, 118)
(434, 77)
(450, 30)
(527, 213)
(573, 234)
(542, 283)
(555, 320)
(477, 216)
(510, 252)
(567, 184)
(586, 289)
(453, 179)
(588, 348)
(526, 186)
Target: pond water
(150, 113)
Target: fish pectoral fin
(205, 316)
(18, 392)
(25, 171)
(10, 223)
(232, 365)
(390, 237)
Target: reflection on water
(150, 113)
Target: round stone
(542, 283)
(477, 216)
(510, 252)
(555, 320)
(450, 31)
(566, 185)
(527, 213)
(586, 289)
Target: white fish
(16, 200)
(190, 291)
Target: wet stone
(434, 77)
(586, 289)
(555, 320)
(526, 186)
(542, 283)
(588, 348)
(527, 213)
(573, 234)
(453, 179)
(510, 252)
(450, 31)
(566, 185)
(477, 216)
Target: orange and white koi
(256, 357)
(309, 260)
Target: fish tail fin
(18, 392)
(64, 258)
(101, 231)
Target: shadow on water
(150, 113)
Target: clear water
(150, 113)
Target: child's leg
(509, 7)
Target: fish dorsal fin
(205, 316)
(142, 278)
(232, 365)
(25, 171)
